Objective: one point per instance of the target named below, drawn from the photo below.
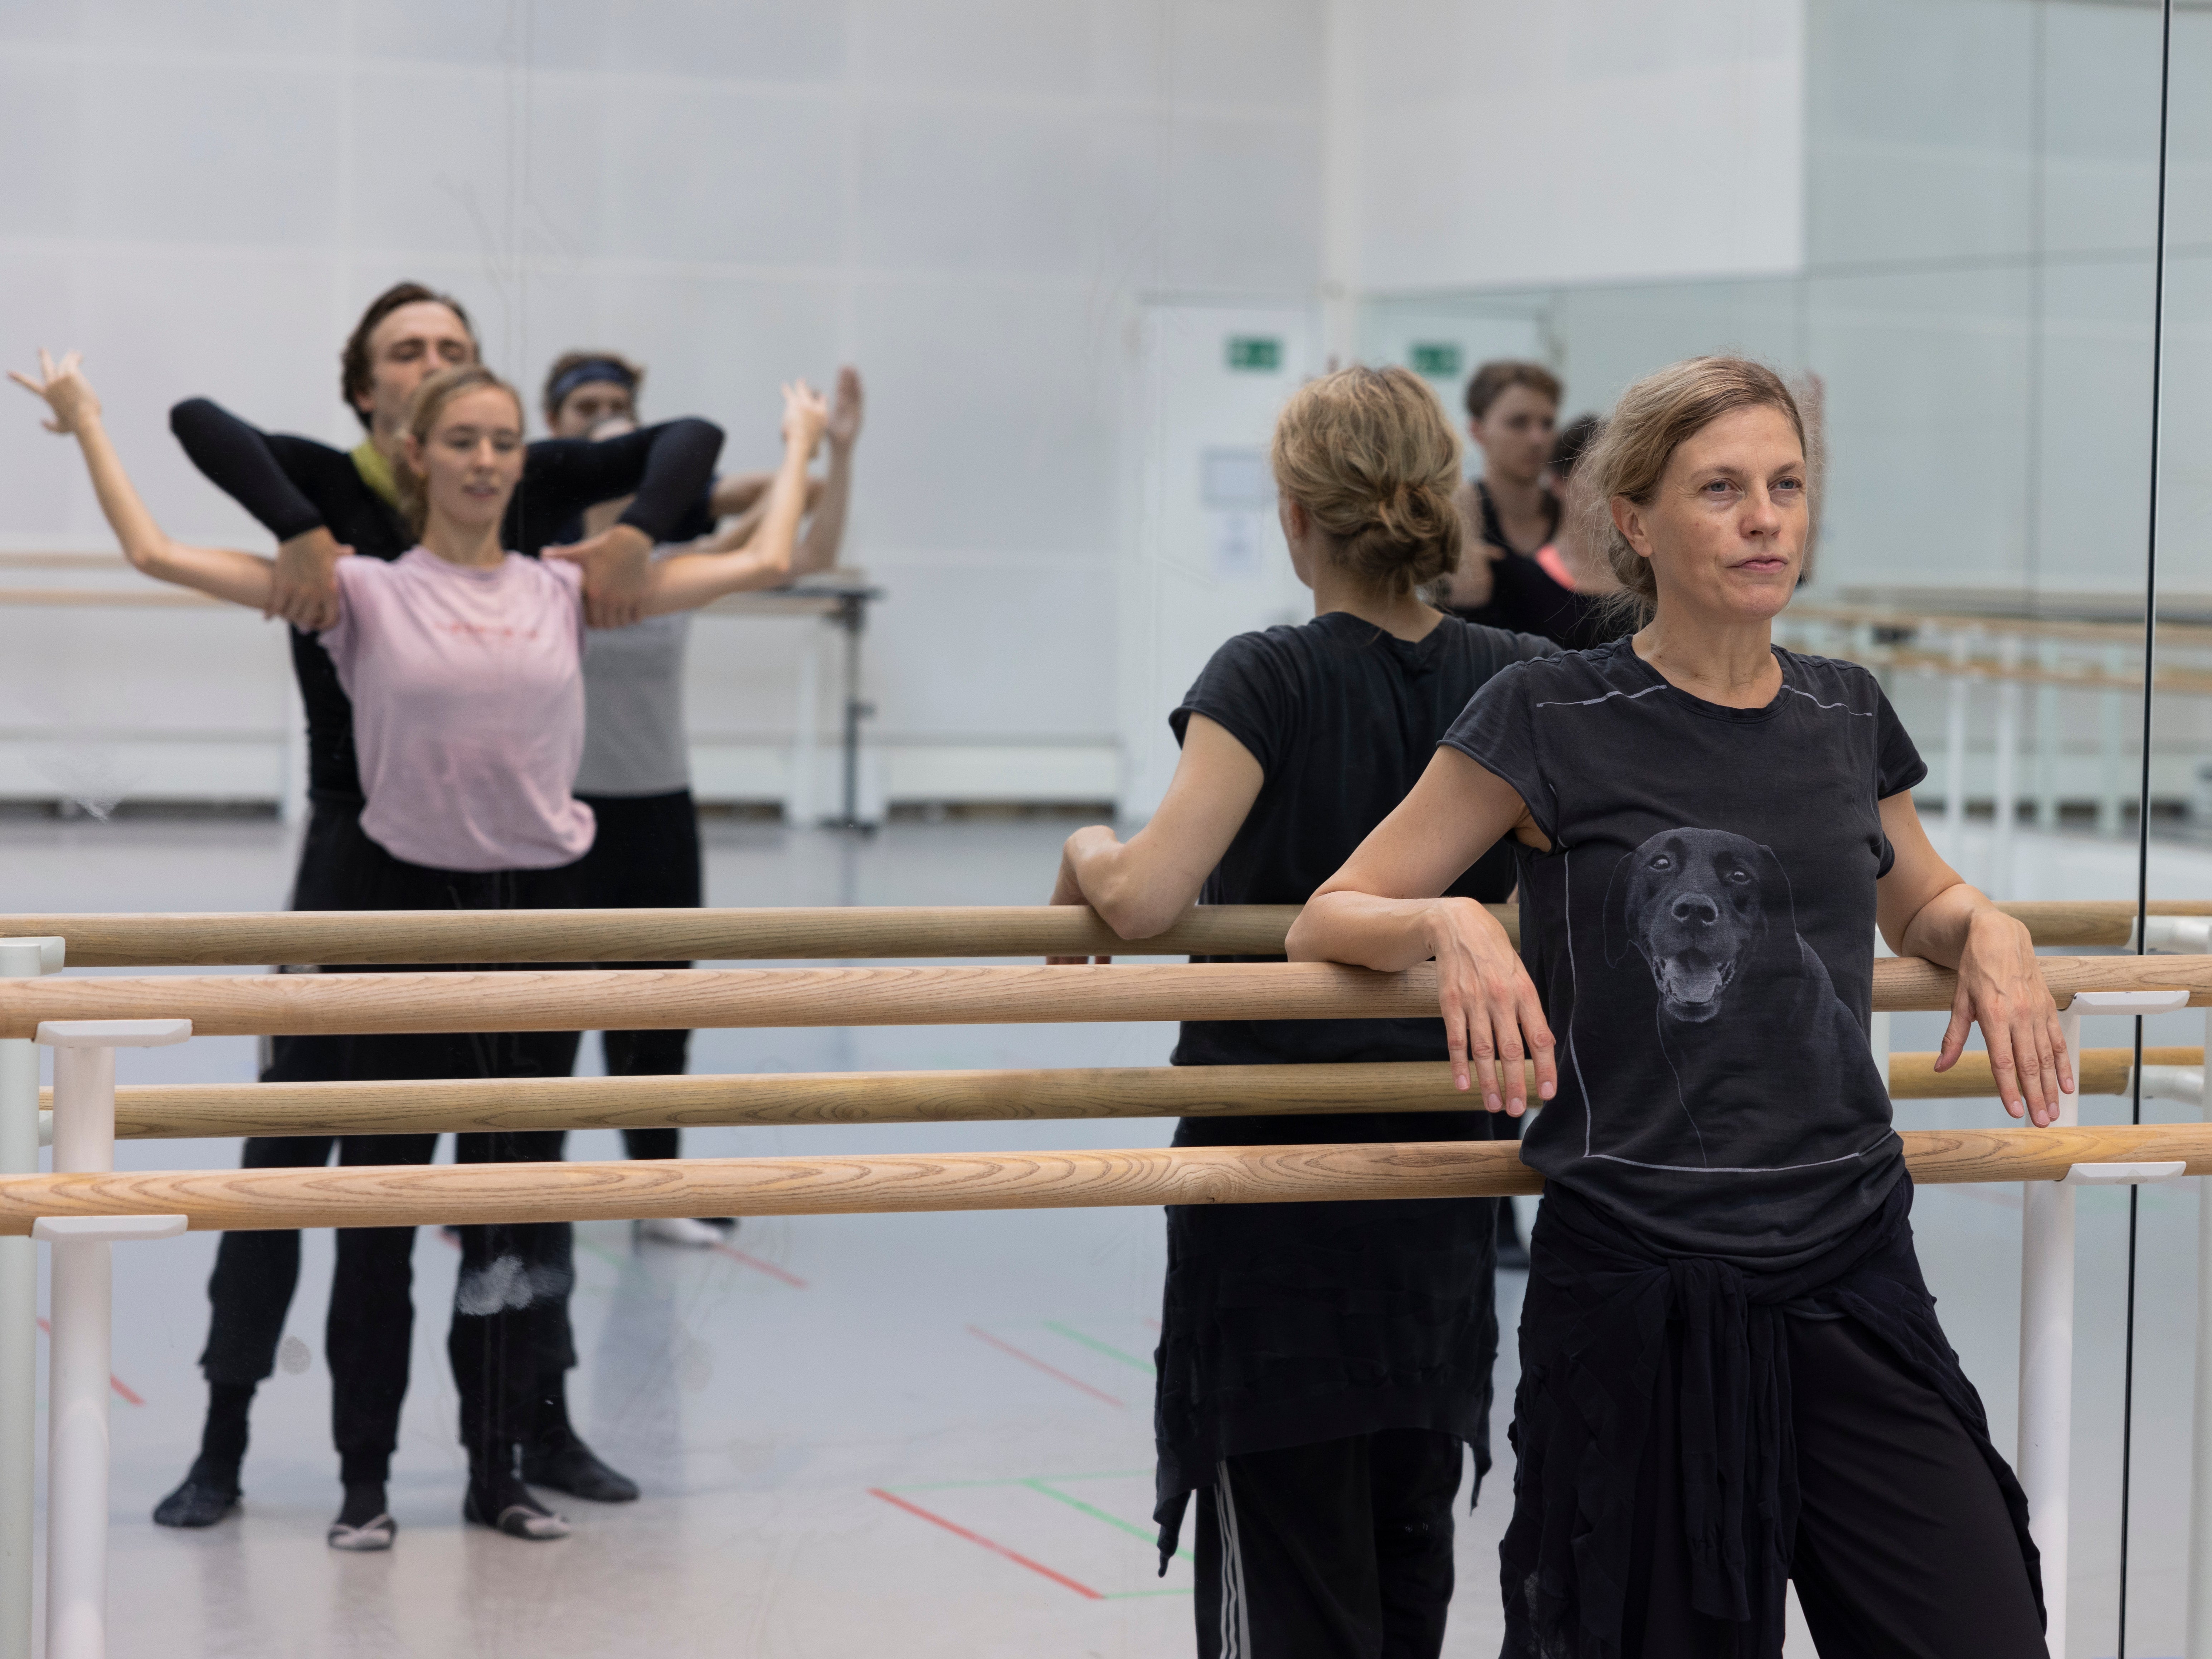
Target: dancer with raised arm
(637, 770)
(1322, 1366)
(462, 662)
(1732, 1374)
(324, 504)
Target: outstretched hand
(2000, 988)
(68, 395)
(615, 562)
(805, 415)
(846, 411)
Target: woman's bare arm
(685, 581)
(1139, 887)
(222, 572)
(1384, 910)
(1925, 909)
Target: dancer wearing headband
(636, 771)
(1321, 1366)
(463, 664)
(323, 504)
(1732, 1373)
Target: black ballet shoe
(513, 1511)
(572, 1466)
(206, 1496)
(363, 1523)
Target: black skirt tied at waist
(1594, 1332)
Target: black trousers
(368, 1333)
(645, 857)
(370, 1326)
(1904, 1549)
(1340, 1550)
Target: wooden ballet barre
(283, 1004)
(416, 1195)
(2097, 1071)
(207, 1111)
(358, 937)
(319, 938)
(186, 1111)
(311, 1005)
(2094, 921)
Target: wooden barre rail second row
(192, 1111)
(316, 937)
(295, 1005)
(415, 1195)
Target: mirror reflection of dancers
(1732, 1371)
(1320, 1366)
(323, 505)
(637, 770)
(462, 661)
(1509, 512)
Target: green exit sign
(1256, 354)
(1439, 359)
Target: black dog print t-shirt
(1702, 935)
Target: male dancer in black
(323, 504)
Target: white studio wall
(1584, 140)
(968, 198)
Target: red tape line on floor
(1049, 1371)
(1015, 1556)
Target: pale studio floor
(922, 1435)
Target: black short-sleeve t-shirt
(1342, 717)
(1702, 934)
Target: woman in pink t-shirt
(464, 662)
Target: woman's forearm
(687, 580)
(1134, 892)
(825, 534)
(143, 544)
(220, 572)
(1938, 930)
(1367, 931)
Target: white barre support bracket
(2107, 1175)
(2179, 936)
(113, 1033)
(2184, 1084)
(2099, 1002)
(114, 1229)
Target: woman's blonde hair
(1653, 419)
(1370, 454)
(424, 409)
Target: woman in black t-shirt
(1320, 1365)
(1732, 1373)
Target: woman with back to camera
(462, 661)
(1319, 1365)
(635, 775)
(1732, 1372)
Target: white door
(1202, 555)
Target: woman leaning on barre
(1732, 1372)
(1322, 1366)
(463, 663)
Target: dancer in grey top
(636, 771)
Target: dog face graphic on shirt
(1699, 906)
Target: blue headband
(584, 373)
